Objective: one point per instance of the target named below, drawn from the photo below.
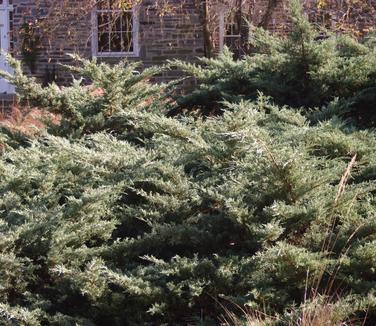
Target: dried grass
(26, 120)
(313, 314)
(317, 310)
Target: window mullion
(121, 32)
(109, 31)
(127, 35)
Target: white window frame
(135, 34)
(6, 4)
(5, 44)
(221, 23)
(222, 15)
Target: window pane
(115, 28)
(232, 24)
(11, 35)
(115, 42)
(115, 21)
(103, 42)
(117, 17)
(127, 21)
(120, 21)
(127, 42)
(103, 23)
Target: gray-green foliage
(85, 110)
(195, 214)
(120, 215)
(307, 68)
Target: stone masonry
(162, 36)
(176, 34)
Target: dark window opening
(115, 28)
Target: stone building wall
(176, 34)
(270, 14)
(55, 42)
(162, 36)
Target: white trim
(221, 17)
(116, 54)
(94, 33)
(5, 41)
(6, 5)
(135, 35)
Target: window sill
(116, 55)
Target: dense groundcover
(308, 68)
(121, 215)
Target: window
(115, 31)
(232, 31)
(11, 36)
(232, 35)
(6, 26)
(6, 43)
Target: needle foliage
(309, 68)
(246, 208)
(121, 215)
